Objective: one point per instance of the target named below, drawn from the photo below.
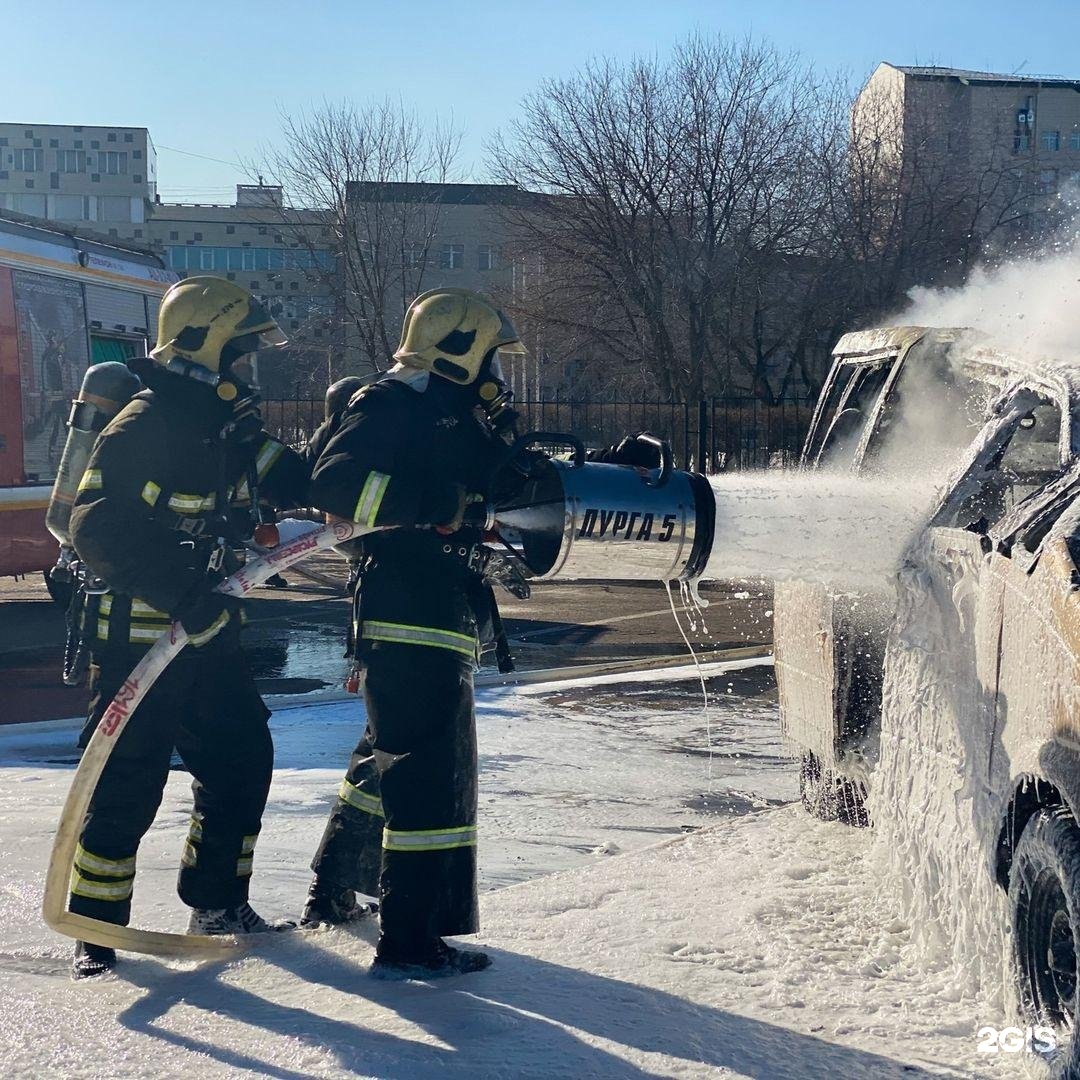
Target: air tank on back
(106, 389)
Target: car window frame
(1006, 412)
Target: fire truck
(67, 300)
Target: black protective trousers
(206, 707)
(403, 828)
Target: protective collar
(414, 378)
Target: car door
(813, 627)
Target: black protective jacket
(398, 456)
(166, 479)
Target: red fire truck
(67, 300)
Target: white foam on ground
(766, 947)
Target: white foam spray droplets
(839, 530)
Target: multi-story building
(284, 256)
(1025, 129)
(104, 177)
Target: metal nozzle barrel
(609, 522)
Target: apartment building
(1028, 127)
(101, 177)
(284, 256)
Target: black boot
(238, 920)
(333, 905)
(427, 960)
(92, 960)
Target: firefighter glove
(204, 614)
(633, 450)
(444, 508)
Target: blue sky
(212, 78)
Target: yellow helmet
(198, 318)
(450, 331)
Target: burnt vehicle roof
(978, 356)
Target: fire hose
(104, 740)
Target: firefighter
(411, 451)
(415, 451)
(175, 481)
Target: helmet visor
(259, 321)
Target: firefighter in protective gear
(412, 451)
(175, 480)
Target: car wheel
(60, 591)
(829, 796)
(1044, 898)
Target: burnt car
(952, 697)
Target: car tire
(1044, 902)
(60, 591)
(829, 796)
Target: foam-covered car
(951, 697)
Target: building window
(27, 160)
(113, 162)
(1051, 140)
(95, 178)
(71, 161)
(295, 286)
(28, 183)
(69, 208)
(452, 257)
(485, 255)
(230, 229)
(136, 179)
(28, 134)
(198, 236)
(138, 234)
(262, 230)
(248, 259)
(54, 143)
(206, 258)
(1021, 142)
(94, 144)
(111, 136)
(128, 137)
(78, 144)
(114, 208)
(1074, 141)
(136, 155)
(174, 236)
(1048, 181)
(34, 205)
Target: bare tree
(371, 170)
(661, 183)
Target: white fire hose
(109, 730)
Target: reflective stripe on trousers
(403, 634)
(429, 839)
(360, 800)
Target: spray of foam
(835, 529)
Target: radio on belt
(587, 520)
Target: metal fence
(710, 435)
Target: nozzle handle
(667, 460)
(550, 438)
